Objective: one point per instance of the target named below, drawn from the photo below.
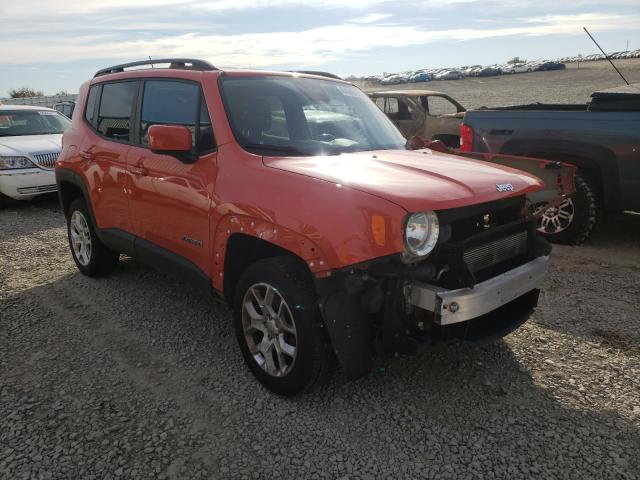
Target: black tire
(292, 281)
(585, 216)
(102, 261)
(5, 201)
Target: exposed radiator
(492, 253)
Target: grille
(497, 251)
(46, 160)
(38, 189)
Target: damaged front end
(481, 281)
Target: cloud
(371, 18)
(310, 47)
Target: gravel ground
(572, 85)
(136, 376)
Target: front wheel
(91, 256)
(5, 201)
(573, 220)
(278, 326)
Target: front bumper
(24, 184)
(455, 306)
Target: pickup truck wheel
(91, 256)
(278, 326)
(573, 220)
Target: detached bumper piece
(460, 305)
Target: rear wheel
(91, 256)
(278, 326)
(573, 220)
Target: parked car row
(429, 74)
(599, 56)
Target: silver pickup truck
(601, 138)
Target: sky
(56, 45)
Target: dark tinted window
(116, 105)
(90, 113)
(167, 102)
(206, 141)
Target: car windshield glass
(295, 116)
(32, 122)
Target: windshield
(273, 115)
(32, 122)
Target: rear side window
(116, 105)
(167, 102)
(90, 113)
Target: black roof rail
(180, 63)
(320, 74)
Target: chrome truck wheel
(574, 219)
(269, 329)
(556, 219)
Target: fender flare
(67, 176)
(317, 259)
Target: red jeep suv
(294, 197)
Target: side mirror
(169, 139)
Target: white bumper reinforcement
(454, 306)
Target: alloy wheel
(556, 219)
(269, 329)
(80, 238)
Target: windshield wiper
(276, 148)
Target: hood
(415, 180)
(30, 144)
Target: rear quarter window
(90, 112)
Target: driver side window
(167, 102)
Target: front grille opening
(46, 160)
(38, 189)
(468, 221)
(493, 253)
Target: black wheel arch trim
(68, 176)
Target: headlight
(7, 163)
(421, 235)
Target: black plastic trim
(174, 63)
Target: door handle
(87, 155)
(138, 170)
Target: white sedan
(30, 142)
(518, 68)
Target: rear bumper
(455, 306)
(27, 183)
